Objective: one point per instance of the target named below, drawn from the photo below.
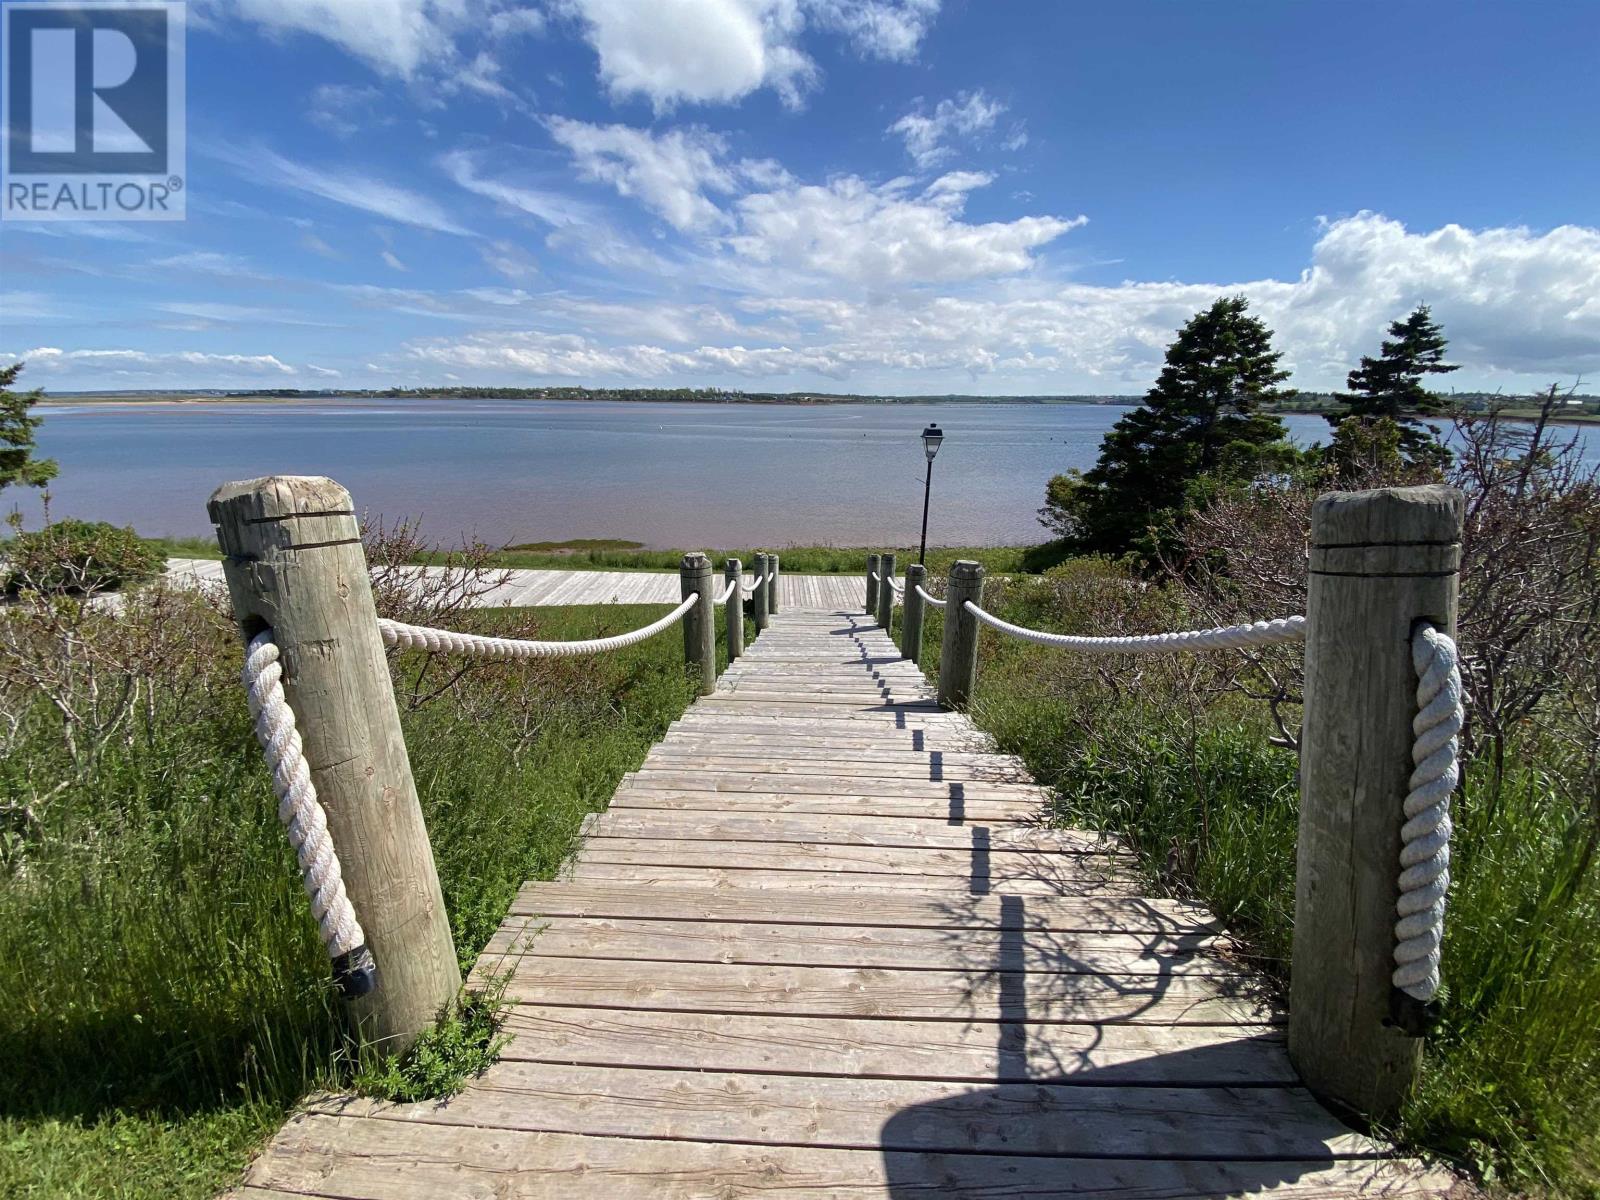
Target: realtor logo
(92, 111)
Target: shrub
(78, 558)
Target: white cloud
(29, 306)
(53, 358)
(846, 229)
(668, 173)
(927, 134)
(392, 261)
(1520, 308)
(396, 37)
(717, 51)
(883, 236)
(349, 188)
(212, 312)
(509, 259)
(464, 167)
(888, 29)
(697, 51)
(344, 109)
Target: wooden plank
(900, 995)
(808, 705)
(965, 812)
(766, 944)
(385, 1157)
(978, 867)
(838, 830)
(888, 745)
(841, 766)
(973, 1052)
(865, 884)
(822, 785)
(930, 1116)
(1062, 914)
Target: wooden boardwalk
(539, 589)
(820, 946)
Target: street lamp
(931, 437)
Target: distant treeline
(1323, 402)
(686, 395)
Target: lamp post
(931, 437)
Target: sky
(869, 196)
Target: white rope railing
(726, 592)
(927, 599)
(873, 575)
(1279, 631)
(448, 641)
(896, 588)
(302, 816)
(1425, 837)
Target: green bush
(78, 558)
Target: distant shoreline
(585, 396)
(802, 399)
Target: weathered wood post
(774, 577)
(733, 574)
(1381, 562)
(758, 599)
(885, 591)
(911, 618)
(700, 622)
(958, 657)
(294, 563)
(873, 562)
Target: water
(685, 475)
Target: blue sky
(895, 196)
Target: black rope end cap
(1413, 1017)
(355, 972)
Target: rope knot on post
(1425, 837)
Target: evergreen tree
(17, 423)
(1390, 386)
(1199, 428)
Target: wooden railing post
(1381, 562)
(911, 618)
(733, 575)
(700, 622)
(294, 563)
(885, 590)
(958, 657)
(758, 598)
(873, 561)
(774, 577)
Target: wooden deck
(538, 589)
(820, 946)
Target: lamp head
(931, 437)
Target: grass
(164, 999)
(465, 1043)
(1511, 1083)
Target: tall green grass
(163, 995)
(1511, 1086)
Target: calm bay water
(705, 475)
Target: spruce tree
(1199, 428)
(17, 423)
(1390, 386)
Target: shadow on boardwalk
(1057, 1121)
